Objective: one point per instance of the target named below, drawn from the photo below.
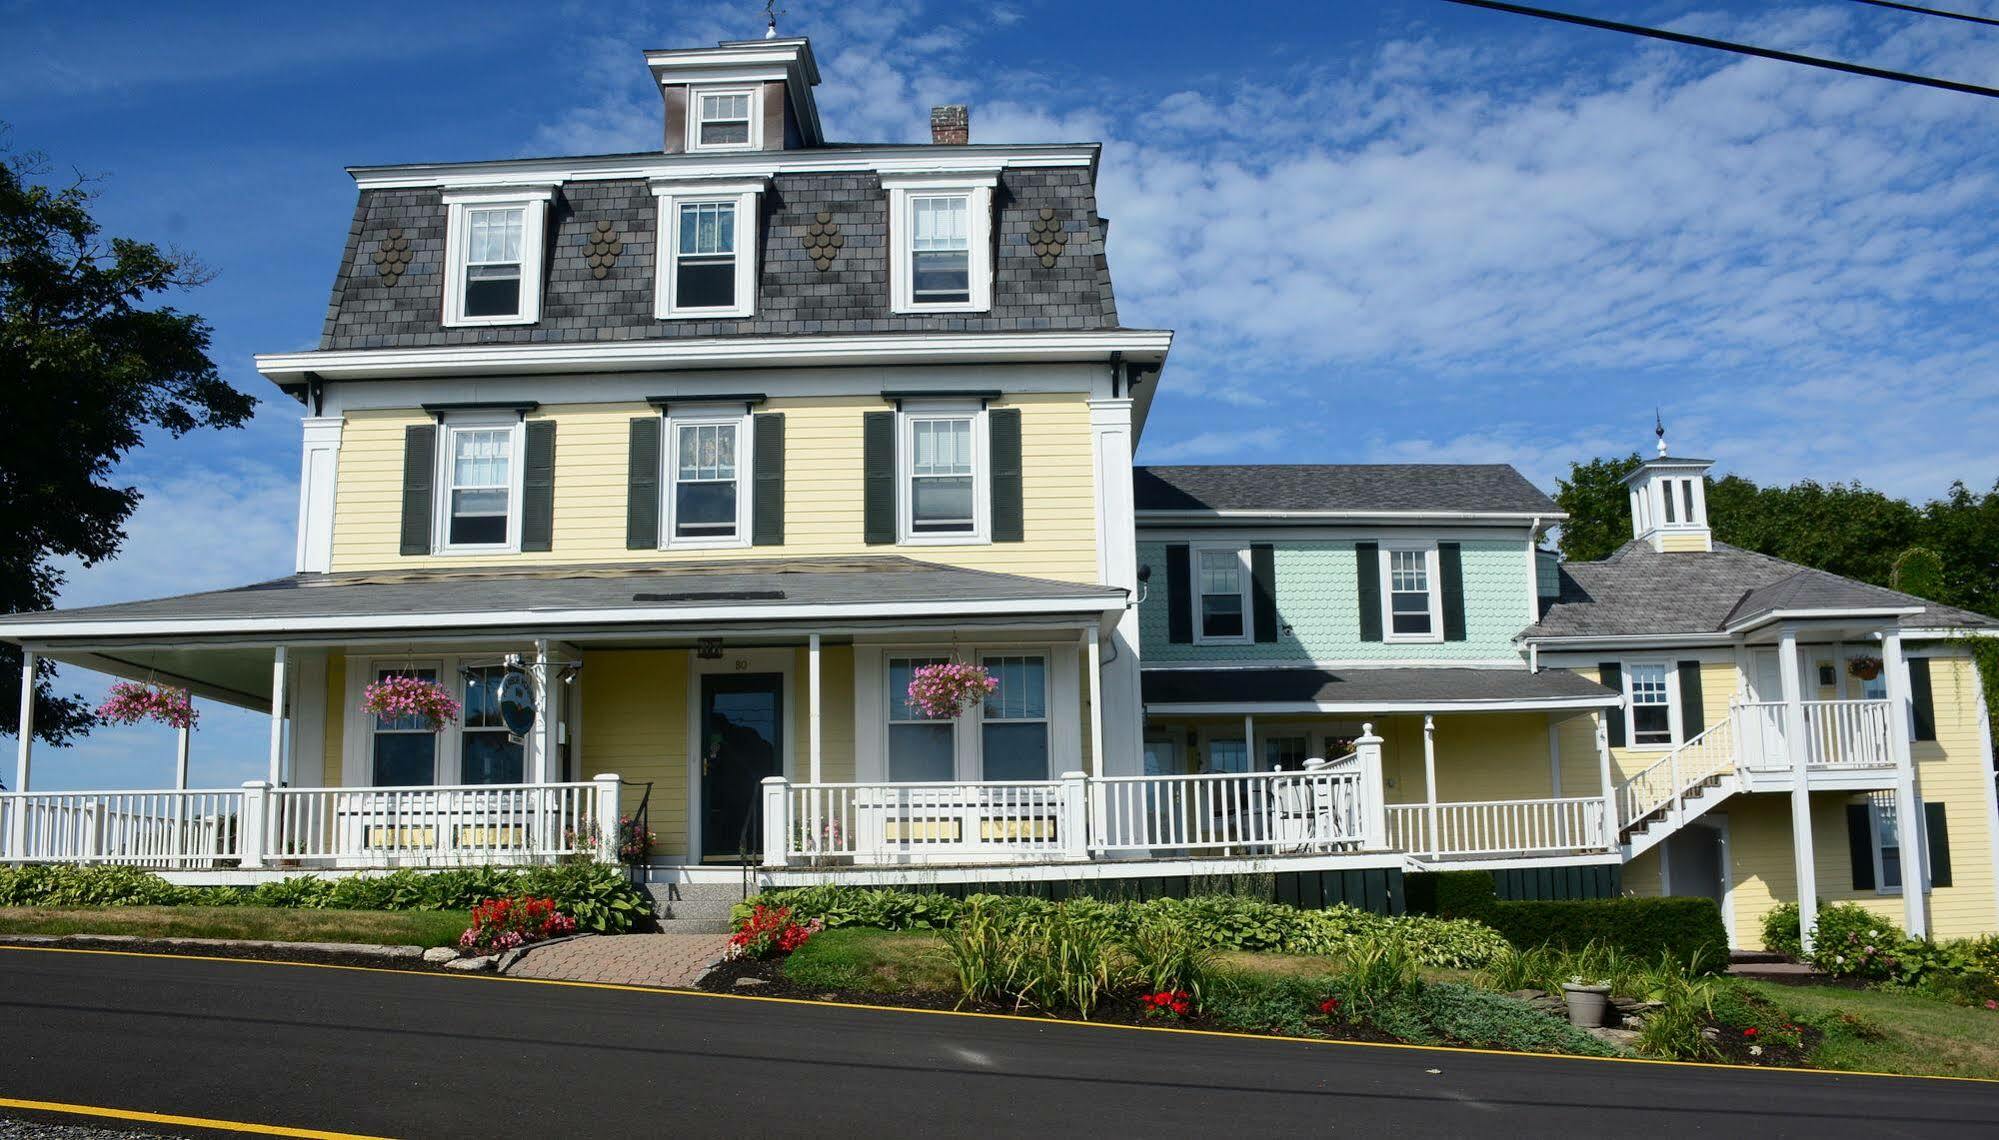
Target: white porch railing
(971, 821)
(1699, 760)
(166, 829)
(261, 826)
(1497, 828)
(1839, 735)
(1318, 809)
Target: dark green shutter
(1860, 845)
(1263, 589)
(1003, 430)
(1922, 702)
(1693, 714)
(878, 477)
(1611, 676)
(1367, 568)
(642, 486)
(1451, 568)
(1937, 830)
(767, 505)
(1179, 594)
(419, 482)
(538, 487)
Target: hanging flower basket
(400, 695)
(944, 691)
(131, 702)
(1865, 668)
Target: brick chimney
(951, 126)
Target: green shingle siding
(1317, 591)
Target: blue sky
(1385, 230)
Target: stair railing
(1666, 782)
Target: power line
(1920, 10)
(1739, 49)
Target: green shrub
(599, 896)
(1027, 958)
(1257, 1003)
(1449, 894)
(1473, 1016)
(1639, 927)
(1375, 975)
(1780, 931)
(1851, 941)
(1166, 957)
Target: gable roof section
(860, 588)
(1342, 488)
(1639, 591)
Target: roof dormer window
(493, 242)
(725, 118)
(707, 260)
(941, 243)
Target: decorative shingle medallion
(392, 256)
(822, 239)
(605, 245)
(1045, 237)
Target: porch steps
(1654, 829)
(694, 908)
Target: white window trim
(979, 208)
(1673, 721)
(872, 697)
(905, 460)
(677, 418)
(533, 204)
(976, 715)
(1881, 886)
(756, 135)
(745, 197)
(357, 764)
(1431, 576)
(1243, 576)
(516, 427)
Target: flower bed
(499, 925)
(769, 932)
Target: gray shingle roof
(1468, 487)
(883, 582)
(1365, 686)
(794, 297)
(1638, 590)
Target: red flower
(1329, 1005)
(1749, 1032)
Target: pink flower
(131, 702)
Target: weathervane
(770, 15)
(1659, 429)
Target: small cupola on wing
(740, 95)
(1669, 501)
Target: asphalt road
(399, 1054)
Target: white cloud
(1211, 445)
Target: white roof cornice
(889, 160)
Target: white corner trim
(319, 475)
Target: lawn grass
(1893, 1031)
(858, 960)
(265, 924)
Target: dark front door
(742, 741)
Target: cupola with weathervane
(1669, 501)
(739, 96)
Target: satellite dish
(517, 702)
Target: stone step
(693, 926)
(1754, 957)
(709, 902)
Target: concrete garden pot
(1586, 1004)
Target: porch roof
(1255, 691)
(479, 599)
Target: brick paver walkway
(626, 959)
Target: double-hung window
(1649, 686)
(941, 253)
(725, 119)
(493, 256)
(920, 746)
(707, 260)
(488, 753)
(1887, 842)
(1014, 729)
(403, 750)
(1409, 575)
(1221, 605)
(481, 479)
(707, 503)
(944, 473)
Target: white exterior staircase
(1679, 788)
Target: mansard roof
(1342, 488)
(1640, 591)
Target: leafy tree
(87, 367)
(1963, 529)
(1598, 505)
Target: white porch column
(777, 829)
(17, 820)
(1249, 741)
(1430, 778)
(1367, 749)
(1112, 445)
(813, 701)
(278, 680)
(1908, 803)
(1554, 755)
(181, 750)
(543, 769)
(1798, 750)
(1093, 663)
(1611, 824)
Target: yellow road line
(183, 1121)
(1040, 1021)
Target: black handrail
(743, 846)
(642, 820)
